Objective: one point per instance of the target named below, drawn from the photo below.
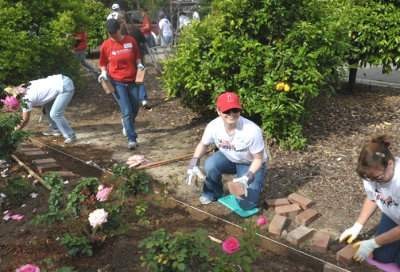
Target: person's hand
(140, 67)
(351, 233)
(365, 248)
(102, 76)
(242, 188)
(192, 174)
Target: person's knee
(55, 115)
(209, 165)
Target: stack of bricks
(296, 208)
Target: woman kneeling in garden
(241, 152)
(380, 172)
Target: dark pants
(388, 253)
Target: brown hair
(374, 154)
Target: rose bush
(28, 268)
(97, 218)
(230, 245)
(103, 193)
(10, 103)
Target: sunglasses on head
(232, 111)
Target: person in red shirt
(145, 28)
(81, 45)
(119, 61)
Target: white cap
(115, 6)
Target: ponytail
(374, 154)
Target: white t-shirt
(386, 195)
(183, 21)
(240, 147)
(165, 27)
(42, 91)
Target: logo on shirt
(128, 45)
(388, 201)
(227, 145)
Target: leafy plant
(55, 201)
(77, 245)
(134, 181)
(66, 269)
(140, 211)
(16, 190)
(178, 252)
(9, 137)
(85, 190)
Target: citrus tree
(277, 54)
(374, 33)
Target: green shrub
(250, 47)
(133, 181)
(42, 39)
(77, 245)
(9, 137)
(17, 190)
(83, 191)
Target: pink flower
(17, 217)
(28, 268)
(261, 221)
(103, 193)
(230, 245)
(11, 103)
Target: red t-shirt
(120, 58)
(80, 41)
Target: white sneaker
(70, 140)
(132, 145)
(51, 132)
(205, 200)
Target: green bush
(77, 245)
(42, 39)
(10, 138)
(251, 47)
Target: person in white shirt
(53, 93)
(241, 151)
(183, 20)
(196, 16)
(380, 173)
(165, 30)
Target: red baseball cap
(227, 101)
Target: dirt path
(324, 171)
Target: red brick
(38, 153)
(320, 242)
(277, 202)
(301, 200)
(44, 161)
(291, 209)
(277, 225)
(306, 217)
(345, 255)
(65, 174)
(42, 168)
(299, 235)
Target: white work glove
(193, 173)
(140, 66)
(102, 76)
(244, 181)
(365, 248)
(351, 233)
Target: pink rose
(230, 245)
(261, 221)
(17, 217)
(28, 268)
(11, 103)
(103, 193)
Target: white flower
(97, 218)
(34, 195)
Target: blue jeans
(217, 164)
(166, 40)
(127, 97)
(388, 253)
(55, 109)
(142, 92)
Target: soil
(324, 171)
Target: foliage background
(37, 36)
